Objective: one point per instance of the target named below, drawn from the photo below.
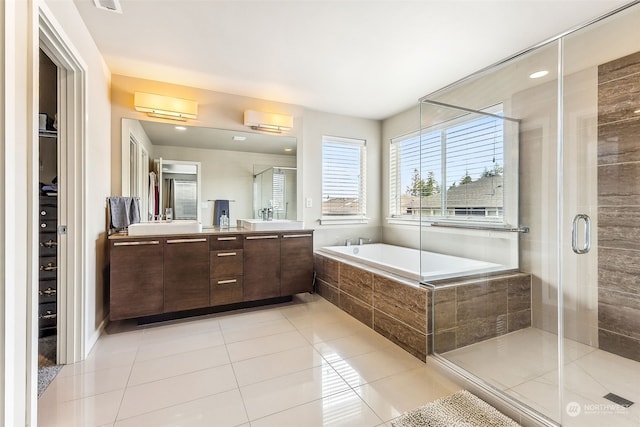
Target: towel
(124, 211)
(218, 207)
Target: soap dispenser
(224, 220)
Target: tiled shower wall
(619, 206)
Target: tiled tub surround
(618, 205)
(468, 311)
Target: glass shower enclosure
(538, 163)
(274, 187)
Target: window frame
(509, 207)
(359, 217)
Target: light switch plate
(309, 202)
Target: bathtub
(406, 262)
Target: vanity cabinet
(296, 255)
(186, 273)
(226, 269)
(261, 266)
(137, 280)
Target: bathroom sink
(276, 224)
(163, 227)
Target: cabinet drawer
(47, 315)
(226, 263)
(48, 267)
(48, 244)
(226, 290)
(48, 225)
(48, 212)
(225, 241)
(47, 291)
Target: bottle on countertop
(224, 220)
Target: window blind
(343, 176)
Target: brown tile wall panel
(519, 293)
(618, 185)
(518, 320)
(445, 316)
(356, 282)
(619, 344)
(619, 270)
(318, 266)
(618, 142)
(618, 99)
(413, 341)
(331, 271)
(618, 227)
(445, 341)
(486, 299)
(619, 312)
(400, 301)
(620, 67)
(357, 309)
(328, 292)
(480, 330)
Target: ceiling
(363, 58)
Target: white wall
(317, 124)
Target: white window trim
(344, 220)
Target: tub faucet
(363, 240)
(347, 242)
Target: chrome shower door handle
(586, 247)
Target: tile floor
(524, 364)
(305, 363)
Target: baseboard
(93, 339)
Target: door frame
(72, 106)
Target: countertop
(209, 232)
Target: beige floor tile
(221, 410)
(91, 411)
(157, 395)
(323, 332)
(392, 396)
(352, 345)
(285, 392)
(178, 329)
(74, 387)
(262, 368)
(250, 331)
(344, 409)
(179, 344)
(265, 345)
(178, 364)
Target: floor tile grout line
(126, 386)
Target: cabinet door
(297, 263)
(261, 266)
(186, 274)
(136, 285)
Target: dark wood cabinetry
(161, 275)
(261, 266)
(296, 253)
(226, 269)
(137, 282)
(186, 273)
(48, 260)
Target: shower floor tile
(524, 365)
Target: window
(455, 171)
(343, 177)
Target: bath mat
(46, 374)
(461, 409)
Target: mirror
(229, 161)
(178, 188)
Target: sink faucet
(347, 242)
(363, 240)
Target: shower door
(601, 223)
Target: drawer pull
(262, 237)
(226, 282)
(227, 238)
(228, 254)
(48, 267)
(48, 315)
(293, 236)
(48, 291)
(147, 242)
(49, 244)
(187, 240)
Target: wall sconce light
(165, 107)
(268, 122)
